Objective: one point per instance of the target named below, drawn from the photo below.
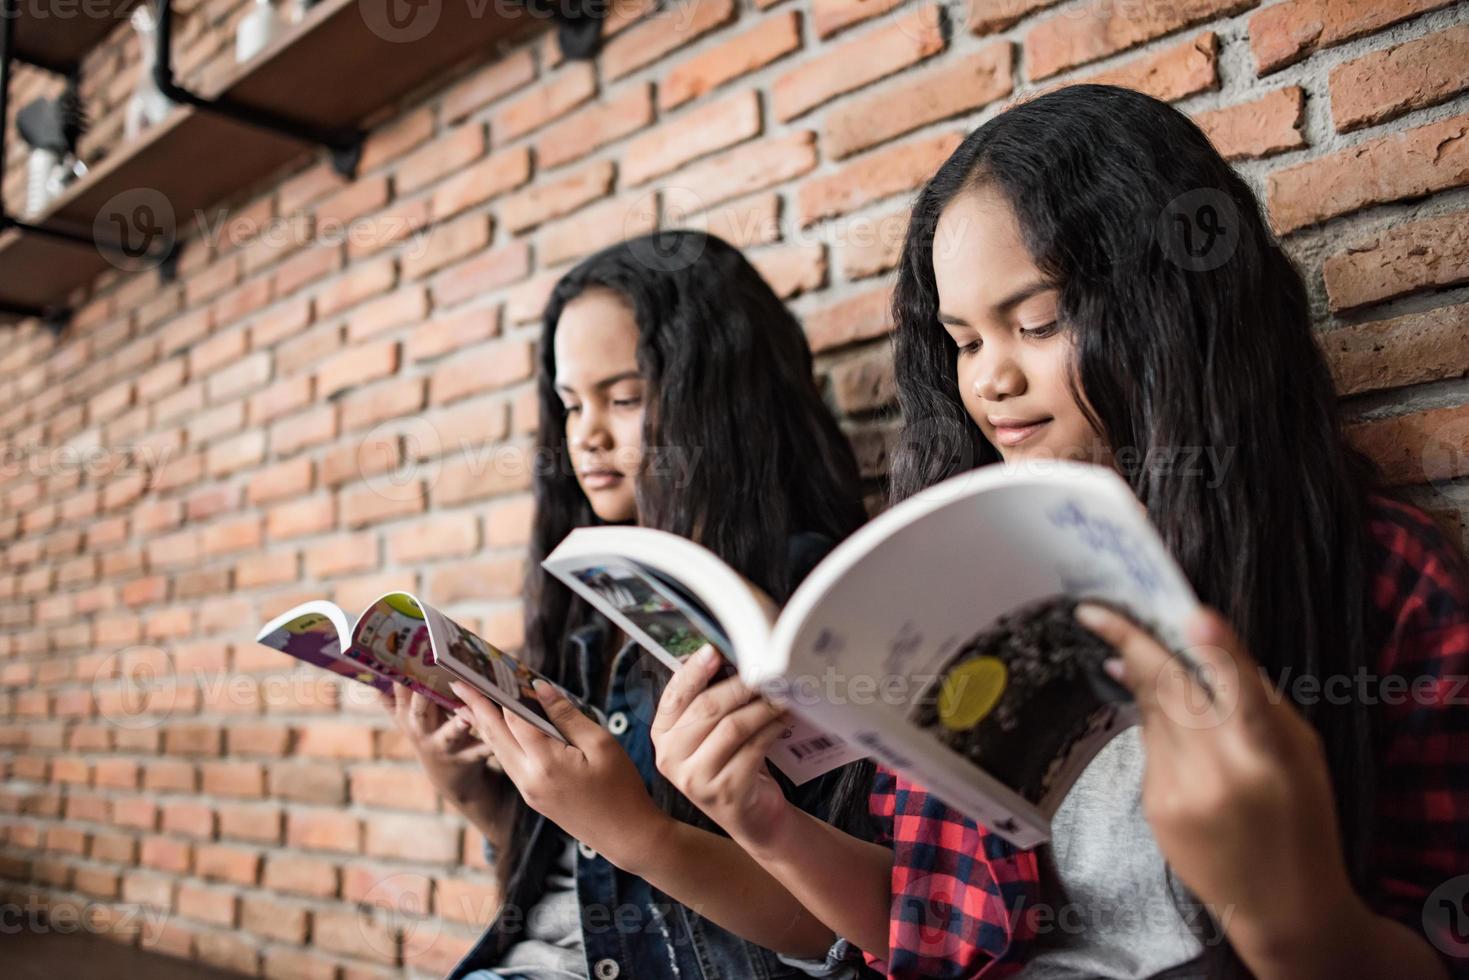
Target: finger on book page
(686, 684)
(735, 730)
(490, 720)
(569, 720)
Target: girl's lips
(1014, 435)
(600, 479)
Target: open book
(399, 640)
(938, 639)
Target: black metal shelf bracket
(578, 24)
(56, 317)
(344, 145)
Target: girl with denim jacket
(676, 392)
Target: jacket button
(606, 970)
(617, 724)
(587, 853)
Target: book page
(495, 674)
(653, 606)
(392, 638)
(314, 632)
(940, 636)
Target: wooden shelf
(57, 38)
(330, 71)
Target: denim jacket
(630, 929)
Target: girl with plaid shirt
(1086, 278)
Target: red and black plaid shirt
(958, 891)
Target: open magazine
(938, 639)
(400, 640)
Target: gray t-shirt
(552, 948)
(1111, 912)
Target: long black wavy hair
(1192, 331)
(728, 375)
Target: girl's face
(602, 390)
(1014, 361)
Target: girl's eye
(633, 402)
(1039, 333)
(969, 348)
(571, 409)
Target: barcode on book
(811, 746)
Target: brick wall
(329, 399)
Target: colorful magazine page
(494, 673)
(392, 638)
(314, 632)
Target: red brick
(163, 854)
(1103, 27)
(342, 555)
(1170, 74)
(450, 535)
(1382, 85)
(393, 788)
(1406, 350)
(426, 840)
(690, 135)
(189, 819)
(752, 221)
(300, 875)
(476, 580)
(1260, 128)
(446, 334)
(447, 243)
(271, 918)
(556, 198)
(446, 154)
(238, 779)
(240, 452)
(353, 933)
(596, 125)
(207, 905)
(279, 399)
(466, 900)
(555, 96)
(485, 272)
(1284, 33)
(391, 399)
(792, 269)
(831, 16)
(869, 178)
(768, 41)
(1416, 448)
(324, 830)
(918, 99)
(310, 428)
(1411, 163)
(497, 79)
(476, 184)
(170, 774)
(906, 41)
(596, 227)
(993, 16)
(228, 952)
(357, 366)
(662, 32)
(360, 282)
(1407, 258)
(225, 862)
(860, 317)
(388, 143)
(335, 740)
(365, 505)
(496, 366)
